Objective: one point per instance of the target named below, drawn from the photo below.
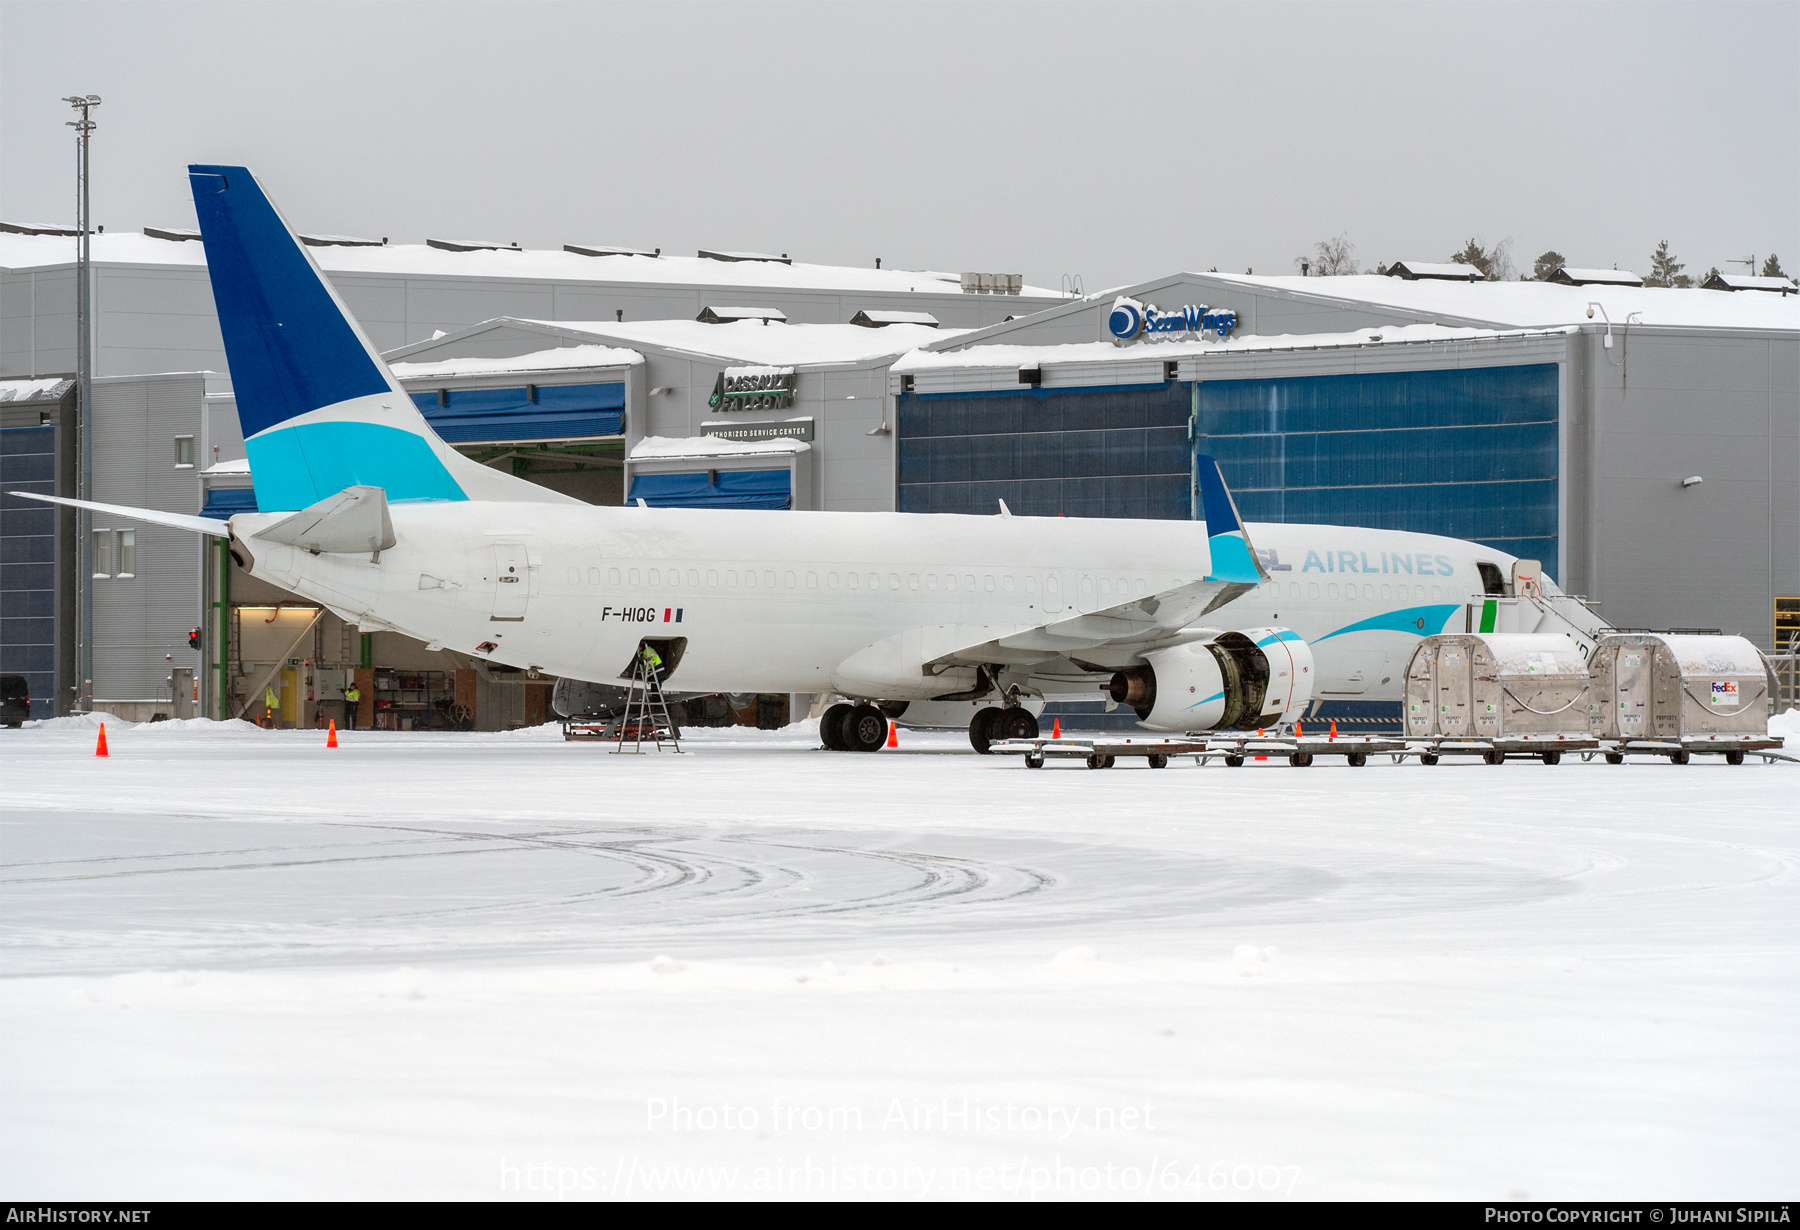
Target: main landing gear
(994, 724)
(854, 728)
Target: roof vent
(471, 245)
(341, 241)
(607, 249)
(992, 283)
(880, 319)
(729, 315)
(722, 255)
(174, 234)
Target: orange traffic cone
(100, 747)
(1259, 734)
(331, 735)
(1334, 728)
(1056, 723)
(893, 734)
(1298, 733)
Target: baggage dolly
(1680, 751)
(1547, 748)
(1098, 753)
(1300, 751)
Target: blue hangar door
(714, 489)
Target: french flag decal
(676, 612)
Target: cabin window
(831, 580)
(1031, 584)
(1105, 586)
(636, 577)
(912, 580)
(788, 580)
(656, 576)
(612, 576)
(749, 578)
(1349, 593)
(1331, 591)
(1143, 588)
(987, 583)
(893, 580)
(1369, 592)
(731, 578)
(769, 578)
(1436, 592)
(693, 578)
(812, 580)
(1384, 593)
(1006, 583)
(950, 582)
(874, 580)
(574, 576)
(931, 581)
(1294, 589)
(593, 576)
(1312, 590)
(850, 580)
(712, 578)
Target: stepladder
(646, 717)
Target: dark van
(15, 701)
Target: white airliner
(363, 509)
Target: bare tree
(1331, 258)
(1495, 263)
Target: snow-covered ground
(238, 964)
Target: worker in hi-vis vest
(271, 703)
(352, 699)
(652, 668)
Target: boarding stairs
(646, 717)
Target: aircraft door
(512, 582)
(1087, 592)
(1053, 595)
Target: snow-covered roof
(46, 388)
(1744, 281)
(748, 341)
(1536, 305)
(1454, 270)
(722, 254)
(1595, 277)
(173, 234)
(725, 315)
(560, 359)
(240, 466)
(657, 447)
(1001, 355)
(130, 248)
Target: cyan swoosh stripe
(1209, 700)
(1231, 559)
(1286, 634)
(1418, 620)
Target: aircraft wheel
(1552, 757)
(1734, 758)
(1158, 761)
(1678, 757)
(1615, 757)
(866, 729)
(1428, 758)
(1300, 759)
(1034, 761)
(1236, 762)
(1493, 756)
(981, 727)
(831, 727)
(1357, 759)
(1014, 724)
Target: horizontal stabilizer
(180, 521)
(354, 520)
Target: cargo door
(1631, 691)
(511, 580)
(1421, 693)
(1453, 692)
(1484, 693)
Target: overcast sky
(1114, 141)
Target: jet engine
(1227, 681)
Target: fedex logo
(1724, 692)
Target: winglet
(1233, 558)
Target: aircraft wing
(1234, 570)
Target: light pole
(84, 413)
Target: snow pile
(712, 446)
(557, 359)
(1787, 725)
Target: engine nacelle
(1232, 680)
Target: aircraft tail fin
(1233, 558)
(320, 410)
